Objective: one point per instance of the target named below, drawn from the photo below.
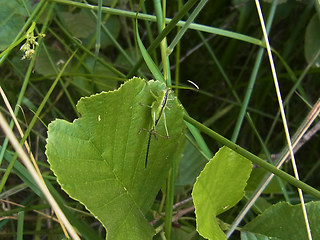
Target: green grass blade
(84, 228)
(20, 225)
(150, 63)
(152, 18)
(19, 38)
(98, 33)
(79, 45)
(25, 84)
(252, 80)
(34, 119)
(185, 27)
(171, 25)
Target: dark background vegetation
(214, 104)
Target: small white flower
(29, 45)
(32, 40)
(25, 47)
(28, 54)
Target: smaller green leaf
(285, 221)
(80, 24)
(257, 176)
(12, 17)
(44, 66)
(103, 79)
(256, 236)
(83, 25)
(112, 25)
(312, 40)
(218, 188)
(184, 234)
(189, 168)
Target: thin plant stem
(19, 38)
(150, 36)
(100, 60)
(98, 32)
(171, 25)
(179, 23)
(25, 83)
(177, 57)
(268, 177)
(293, 89)
(284, 120)
(185, 27)
(20, 225)
(158, 11)
(26, 134)
(163, 48)
(161, 15)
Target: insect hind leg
(165, 124)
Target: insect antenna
(152, 131)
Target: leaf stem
(169, 201)
(253, 158)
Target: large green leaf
(284, 221)
(99, 159)
(218, 188)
